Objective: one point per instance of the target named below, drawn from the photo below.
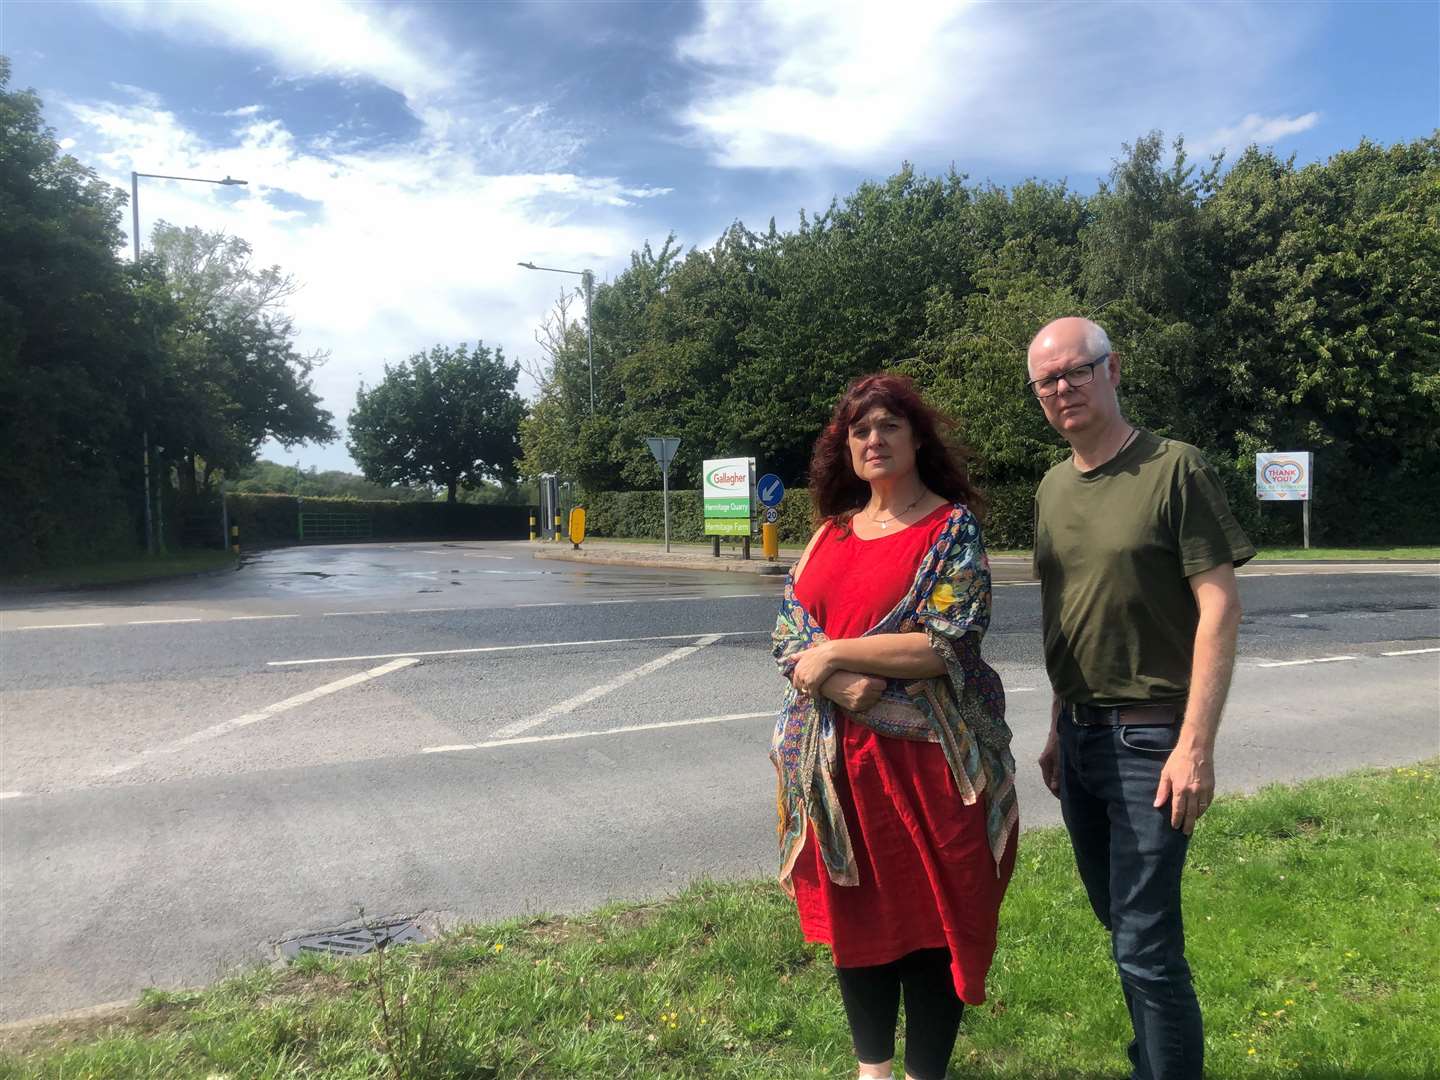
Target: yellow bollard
(770, 539)
(577, 527)
(235, 539)
(557, 526)
(532, 525)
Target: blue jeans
(1130, 859)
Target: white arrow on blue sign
(770, 490)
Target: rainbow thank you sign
(1282, 477)
(728, 488)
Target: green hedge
(639, 514)
(274, 519)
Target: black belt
(1121, 715)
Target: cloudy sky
(402, 158)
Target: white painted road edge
(569, 705)
(513, 648)
(1297, 663)
(224, 728)
(564, 736)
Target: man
(1136, 550)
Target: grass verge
(1340, 554)
(1313, 923)
(124, 571)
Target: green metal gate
(330, 525)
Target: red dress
(927, 877)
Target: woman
(897, 802)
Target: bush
(274, 519)
(639, 515)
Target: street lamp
(229, 181)
(588, 278)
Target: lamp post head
(230, 181)
(528, 265)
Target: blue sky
(403, 157)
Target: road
(193, 771)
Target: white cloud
(1262, 130)
(806, 83)
(403, 247)
(243, 110)
(307, 37)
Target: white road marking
(247, 618)
(12, 794)
(1299, 616)
(1409, 652)
(1020, 689)
(1297, 663)
(512, 648)
(593, 734)
(227, 726)
(428, 610)
(552, 603)
(58, 626)
(472, 555)
(569, 705)
(157, 622)
(328, 613)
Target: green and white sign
(727, 491)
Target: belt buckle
(1103, 716)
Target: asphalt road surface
(191, 772)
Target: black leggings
(932, 1010)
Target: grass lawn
(1314, 932)
(120, 571)
(1377, 554)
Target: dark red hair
(836, 492)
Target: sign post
(664, 451)
(1286, 477)
(728, 487)
(770, 490)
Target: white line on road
(550, 603)
(1409, 652)
(59, 626)
(12, 794)
(524, 739)
(1297, 663)
(569, 705)
(1299, 616)
(157, 622)
(248, 618)
(216, 730)
(512, 648)
(1020, 689)
(355, 613)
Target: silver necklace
(894, 517)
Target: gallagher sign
(728, 491)
(1282, 477)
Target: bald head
(1071, 335)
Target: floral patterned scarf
(963, 710)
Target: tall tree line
(1259, 305)
(190, 351)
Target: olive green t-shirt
(1113, 549)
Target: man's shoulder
(1179, 455)
(1055, 474)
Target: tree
(229, 376)
(70, 445)
(447, 417)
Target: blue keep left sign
(770, 490)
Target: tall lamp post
(229, 181)
(589, 280)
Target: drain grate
(354, 940)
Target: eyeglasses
(1076, 376)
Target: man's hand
(1187, 783)
(813, 666)
(852, 691)
(1050, 763)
